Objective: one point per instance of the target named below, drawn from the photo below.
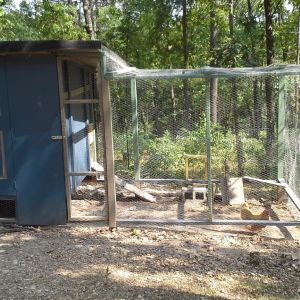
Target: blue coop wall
(77, 116)
(7, 178)
(32, 89)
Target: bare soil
(87, 261)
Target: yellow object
(189, 157)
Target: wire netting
(254, 135)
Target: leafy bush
(163, 157)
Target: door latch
(57, 137)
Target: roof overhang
(26, 47)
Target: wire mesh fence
(199, 145)
(253, 136)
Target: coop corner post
(280, 136)
(109, 170)
(64, 134)
(135, 129)
(208, 150)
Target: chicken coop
(86, 136)
(50, 127)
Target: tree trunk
(213, 81)
(298, 37)
(257, 109)
(269, 88)
(234, 100)
(186, 98)
(88, 17)
(257, 120)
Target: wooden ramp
(126, 185)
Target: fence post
(280, 137)
(208, 151)
(135, 129)
(109, 169)
(281, 127)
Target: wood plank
(295, 199)
(179, 181)
(236, 191)
(135, 129)
(208, 150)
(106, 116)
(207, 222)
(81, 101)
(130, 187)
(75, 92)
(97, 167)
(64, 134)
(272, 182)
(86, 173)
(281, 127)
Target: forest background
(182, 34)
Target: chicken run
(182, 157)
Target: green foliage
(164, 156)
(40, 20)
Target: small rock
(132, 208)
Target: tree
(213, 45)
(271, 121)
(88, 17)
(234, 97)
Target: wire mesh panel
(252, 144)
(155, 124)
(84, 142)
(210, 144)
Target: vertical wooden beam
(280, 137)
(135, 129)
(109, 169)
(65, 138)
(281, 127)
(186, 167)
(208, 151)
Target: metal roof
(49, 46)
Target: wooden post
(64, 134)
(280, 137)
(135, 130)
(186, 166)
(208, 151)
(109, 169)
(281, 127)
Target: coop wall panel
(7, 188)
(34, 99)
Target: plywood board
(236, 191)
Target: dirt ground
(87, 261)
